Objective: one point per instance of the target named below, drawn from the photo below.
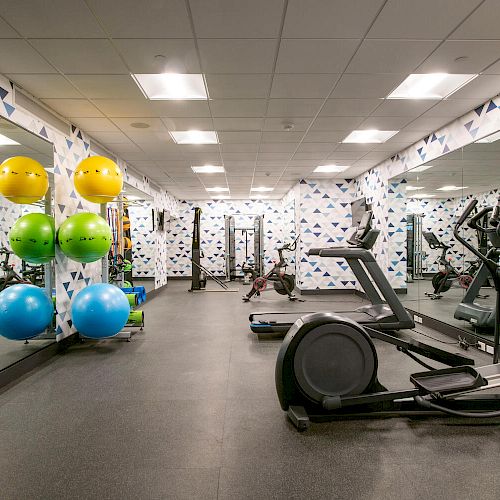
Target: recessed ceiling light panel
(423, 195)
(6, 141)
(208, 169)
(451, 188)
(168, 86)
(430, 86)
(217, 189)
(194, 137)
(327, 169)
(370, 136)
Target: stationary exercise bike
(443, 280)
(327, 367)
(283, 283)
(9, 277)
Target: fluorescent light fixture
(171, 86)
(451, 188)
(370, 136)
(422, 168)
(423, 195)
(430, 86)
(262, 189)
(208, 169)
(489, 138)
(327, 169)
(414, 188)
(221, 197)
(5, 141)
(194, 137)
(217, 189)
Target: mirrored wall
(16, 141)
(445, 280)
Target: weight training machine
(327, 366)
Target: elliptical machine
(327, 368)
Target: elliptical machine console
(327, 366)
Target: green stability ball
(84, 237)
(32, 238)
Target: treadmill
(385, 313)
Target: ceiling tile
(239, 148)
(452, 108)
(120, 148)
(6, 31)
(426, 124)
(481, 25)
(403, 137)
(140, 55)
(237, 18)
(238, 156)
(16, 56)
(188, 123)
(478, 55)
(238, 107)
(46, 86)
(76, 108)
(316, 147)
(239, 137)
(494, 69)
(107, 86)
(278, 147)
(336, 123)
(330, 137)
(385, 122)
(404, 107)
(111, 137)
(281, 136)
(278, 124)
(237, 56)
(95, 125)
(293, 107)
(238, 123)
(147, 137)
(155, 124)
(329, 19)
(484, 86)
(349, 107)
(314, 56)
(302, 86)
(54, 19)
(81, 56)
(346, 156)
(390, 56)
(181, 109)
(244, 86)
(367, 86)
(376, 155)
(310, 156)
(161, 18)
(422, 20)
(274, 156)
(126, 107)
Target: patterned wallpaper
(143, 239)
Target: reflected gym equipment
(84, 237)
(25, 312)
(23, 180)
(32, 238)
(98, 179)
(415, 254)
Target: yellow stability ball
(23, 180)
(98, 179)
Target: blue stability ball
(25, 312)
(100, 311)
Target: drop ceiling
(476, 167)
(324, 67)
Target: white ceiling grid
(322, 66)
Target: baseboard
(327, 292)
(153, 293)
(15, 372)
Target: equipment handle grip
(468, 209)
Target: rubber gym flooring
(188, 410)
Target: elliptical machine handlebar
(289, 247)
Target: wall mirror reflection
(445, 280)
(26, 244)
(131, 262)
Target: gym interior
(249, 249)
